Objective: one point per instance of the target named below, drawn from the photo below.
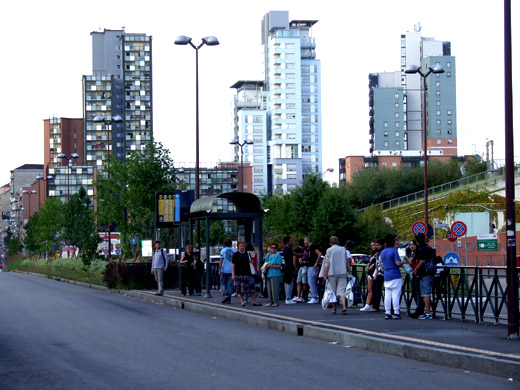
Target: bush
(115, 274)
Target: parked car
(359, 258)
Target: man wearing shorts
(424, 252)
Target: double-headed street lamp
(39, 178)
(69, 159)
(241, 145)
(29, 194)
(209, 41)
(412, 70)
(108, 123)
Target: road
(59, 336)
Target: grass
(71, 269)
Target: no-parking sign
(459, 228)
(419, 227)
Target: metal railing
(476, 293)
(480, 180)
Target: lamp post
(412, 70)
(241, 145)
(29, 194)
(39, 178)
(209, 41)
(69, 159)
(108, 123)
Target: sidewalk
(464, 345)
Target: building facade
(396, 100)
(281, 115)
(121, 84)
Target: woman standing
(274, 275)
(411, 256)
(241, 274)
(371, 274)
(393, 280)
(187, 270)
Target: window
(396, 96)
(448, 74)
(397, 124)
(397, 134)
(438, 113)
(450, 141)
(385, 124)
(438, 93)
(437, 83)
(448, 64)
(397, 143)
(438, 122)
(450, 122)
(438, 102)
(396, 115)
(394, 164)
(439, 142)
(386, 143)
(438, 131)
(450, 131)
(396, 105)
(449, 112)
(385, 134)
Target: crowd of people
(297, 269)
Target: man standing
(159, 265)
(225, 270)
(312, 271)
(335, 270)
(424, 253)
(288, 269)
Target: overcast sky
(47, 49)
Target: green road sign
(487, 242)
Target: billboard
(170, 207)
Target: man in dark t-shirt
(424, 252)
(312, 272)
(288, 269)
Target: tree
(371, 224)
(44, 229)
(334, 216)
(126, 191)
(79, 225)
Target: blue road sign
(118, 252)
(133, 241)
(451, 258)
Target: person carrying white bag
(335, 271)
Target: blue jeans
(288, 290)
(312, 273)
(226, 285)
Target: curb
(469, 361)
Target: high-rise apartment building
(121, 84)
(396, 100)
(284, 116)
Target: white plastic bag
(328, 297)
(349, 294)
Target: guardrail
(465, 292)
(484, 179)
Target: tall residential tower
(121, 84)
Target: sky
(47, 48)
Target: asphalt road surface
(59, 336)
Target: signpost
(487, 242)
(459, 228)
(450, 236)
(419, 227)
(451, 258)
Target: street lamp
(108, 122)
(209, 41)
(69, 159)
(39, 178)
(241, 145)
(29, 193)
(412, 70)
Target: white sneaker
(297, 299)
(312, 301)
(289, 302)
(366, 308)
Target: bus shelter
(246, 208)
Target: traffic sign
(450, 236)
(133, 241)
(118, 252)
(451, 258)
(419, 227)
(487, 242)
(459, 228)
